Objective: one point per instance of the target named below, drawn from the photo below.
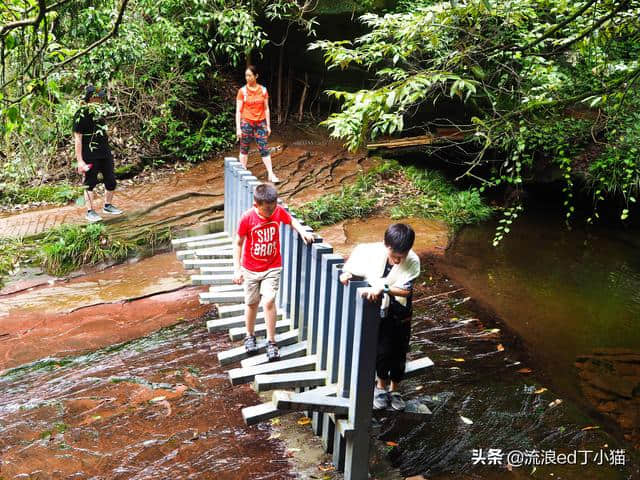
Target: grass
(69, 247)
(400, 192)
(61, 193)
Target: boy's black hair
(399, 237)
(265, 193)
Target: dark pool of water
(481, 375)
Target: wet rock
(610, 381)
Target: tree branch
(35, 21)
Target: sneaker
(112, 210)
(380, 399)
(275, 179)
(250, 344)
(273, 354)
(397, 402)
(92, 216)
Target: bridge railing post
(367, 323)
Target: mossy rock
(339, 7)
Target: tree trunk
(280, 66)
(303, 96)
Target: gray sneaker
(92, 216)
(380, 399)
(250, 344)
(112, 210)
(397, 403)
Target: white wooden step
(218, 279)
(241, 375)
(239, 333)
(239, 353)
(210, 236)
(290, 351)
(191, 263)
(215, 242)
(289, 381)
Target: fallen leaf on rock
(419, 387)
(275, 421)
(590, 427)
(540, 390)
(326, 468)
(304, 421)
(525, 370)
(555, 403)
(466, 420)
(157, 399)
(458, 359)
(500, 348)
(392, 444)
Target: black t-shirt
(95, 144)
(397, 311)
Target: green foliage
(520, 67)
(61, 193)
(69, 247)
(428, 194)
(438, 198)
(352, 202)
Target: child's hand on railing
(372, 293)
(345, 277)
(307, 237)
(238, 278)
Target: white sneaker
(380, 399)
(111, 209)
(92, 216)
(397, 402)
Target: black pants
(104, 166)
(393, 346)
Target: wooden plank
(241, 375)
(213, 253)
(228, 323)
(218, 279)
(210, 236)
(225, 311)
(191, 263)
(239, 353)
(261, 412)
(290, 351)
(265, 382)
(238, 333)
(417, 367)
(226, 288)
(217, 269)
(221, 297)
(215, 242)
(311, 400)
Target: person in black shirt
(391, 268)
(93, 153)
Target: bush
(69, 247)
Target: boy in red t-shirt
(258, 249)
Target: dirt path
(308, 167)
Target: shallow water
(156, 407)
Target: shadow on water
(155, 407)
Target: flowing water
(156, 407)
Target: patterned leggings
(257, 131)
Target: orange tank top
(253, 108)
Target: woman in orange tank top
(253, 120)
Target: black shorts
(104, 166)
(393, 346)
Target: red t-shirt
(262, 244)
